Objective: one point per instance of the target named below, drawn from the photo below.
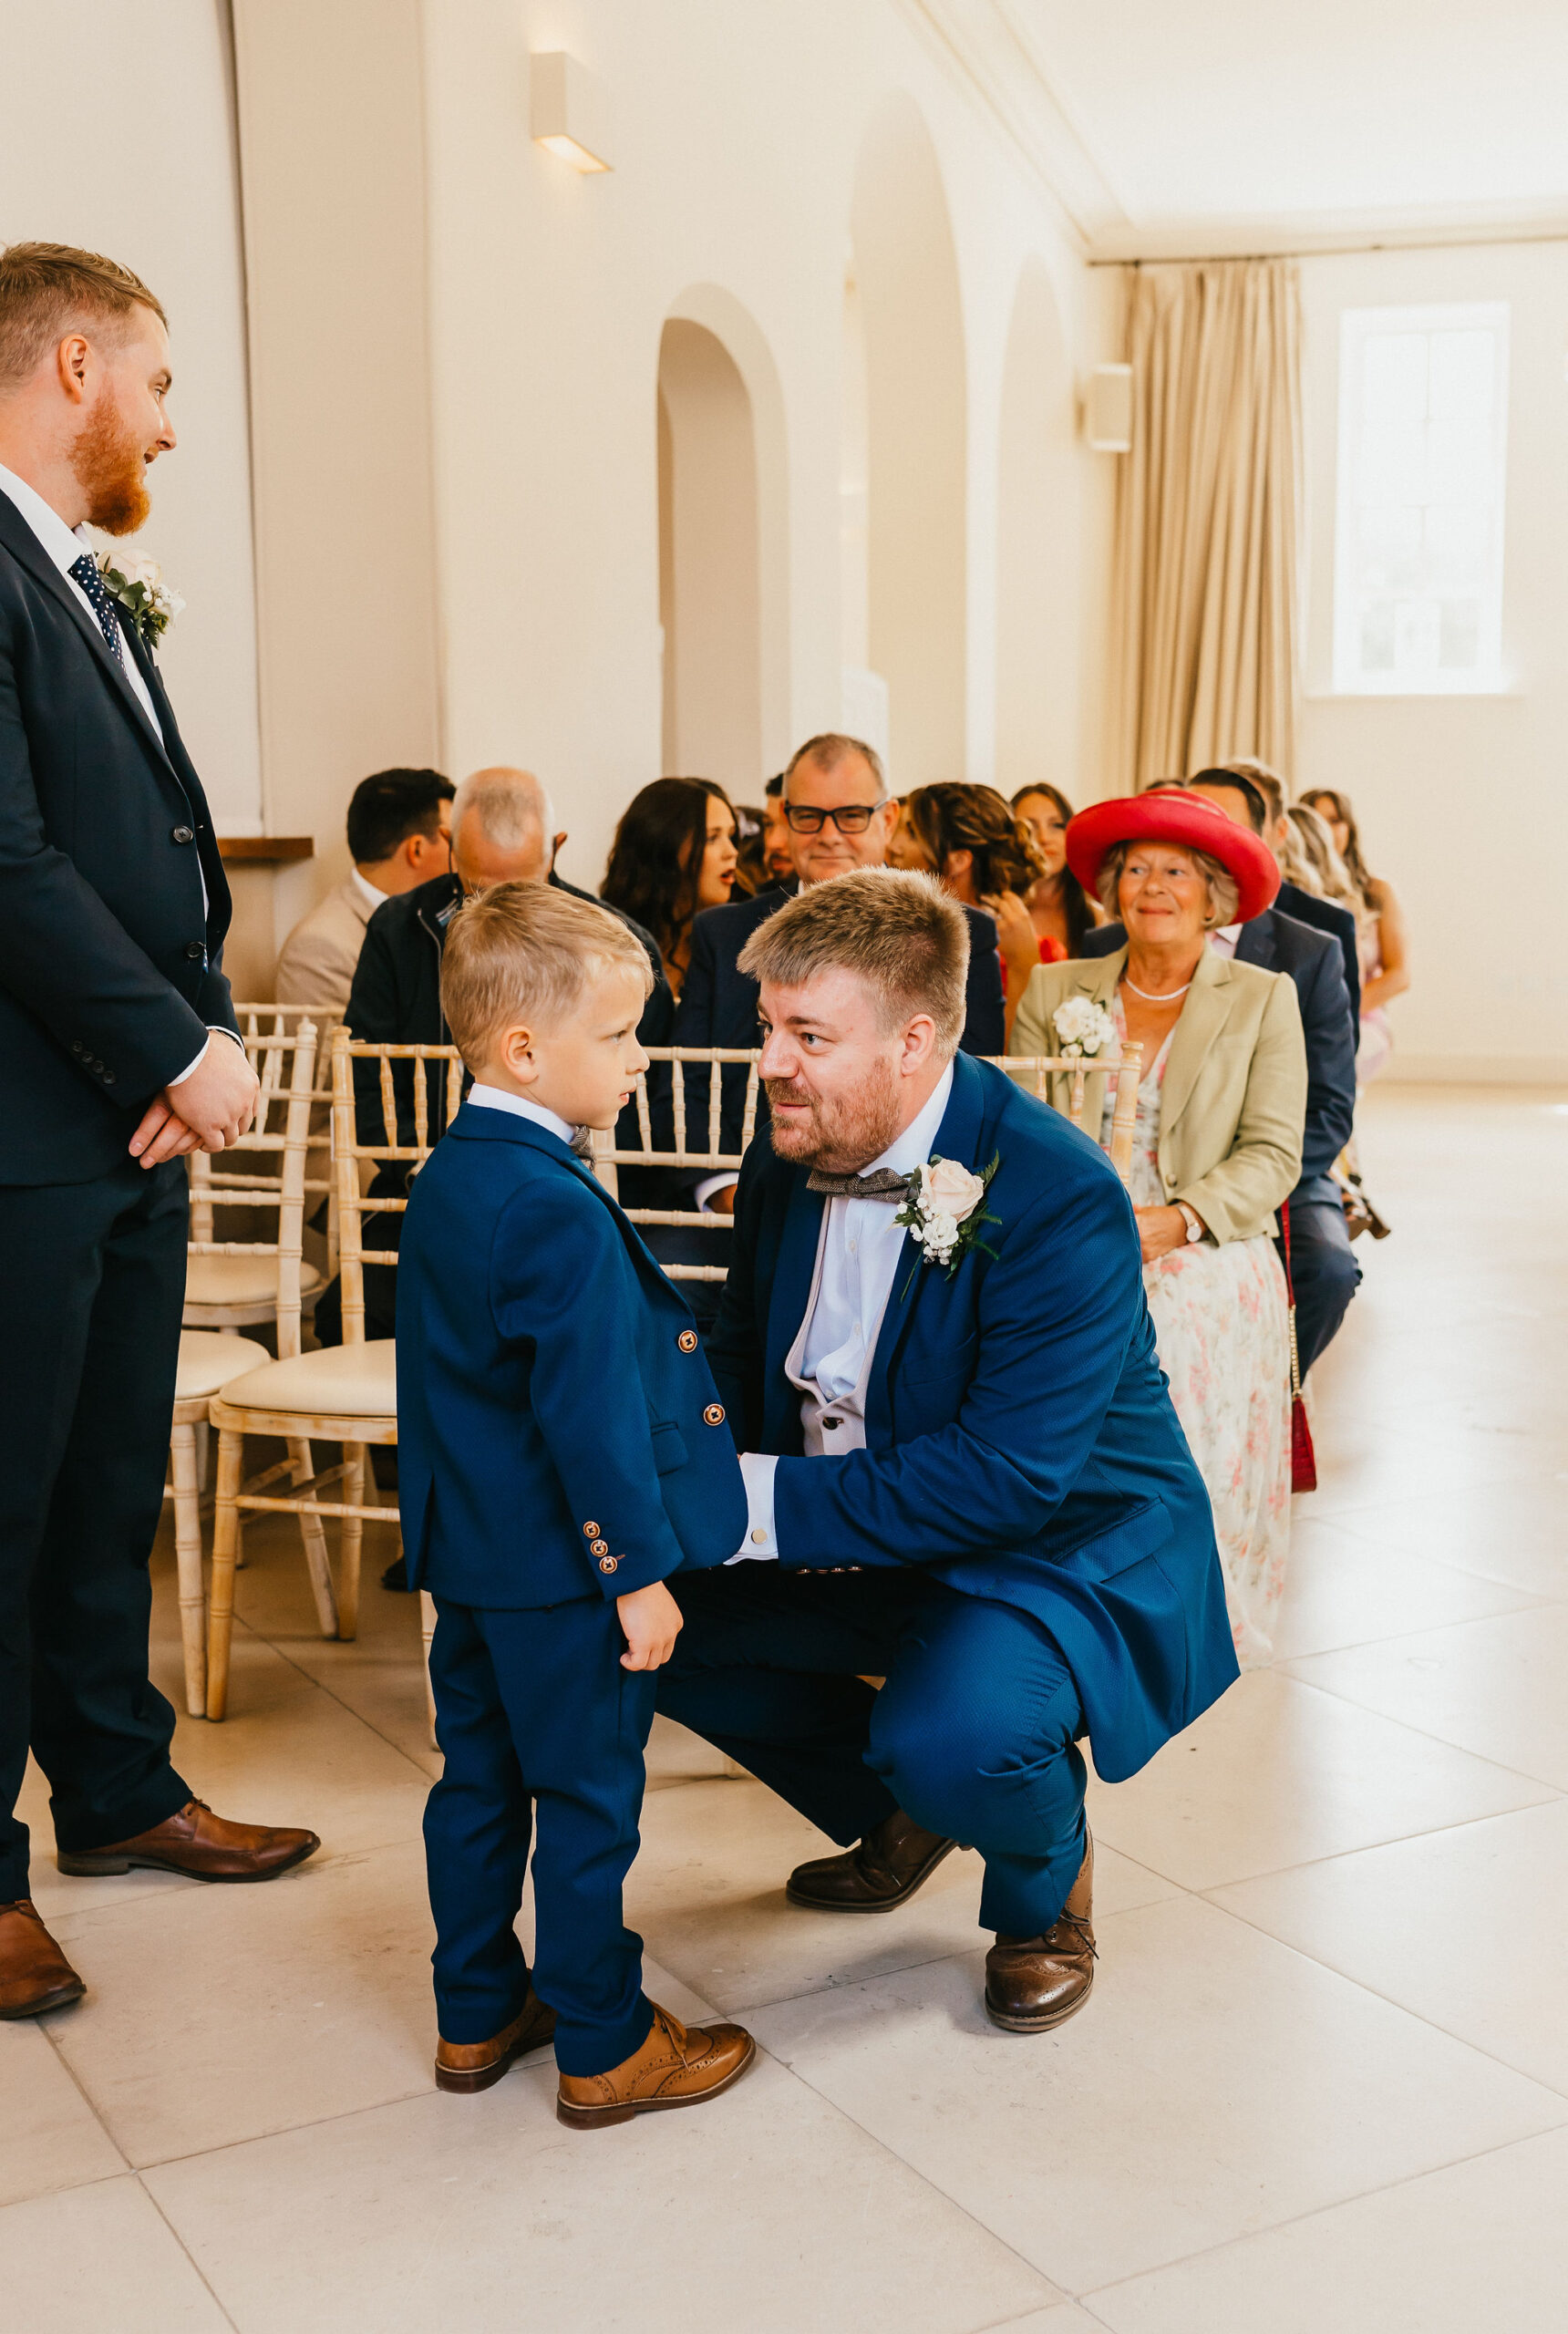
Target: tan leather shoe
(1033, 1983)
(677, 2066)
(203, 1845)
(34, 1975)
(882, 1870)
(474, 2066)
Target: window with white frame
(1423, 446)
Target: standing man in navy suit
(963, 1470)
(118, 1053)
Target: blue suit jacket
(558, 1428)
(1020, 1440)
(1315, 962)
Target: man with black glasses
(841, 816)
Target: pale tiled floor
(1323, 2080)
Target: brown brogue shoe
(201, 1844)
(1033, 1983)
(677, 2066)
(34, 1975)
(474, 2066)
(882, 1870)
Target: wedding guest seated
(1219, 1113)
(1307, 858)
(504, 831)
(674, 854)
(1298, 900)
(549, 1379)
(973, 840)
(399, 836)
(840, 816)
(1062, 911)
(1380, 927)
(1323, 1269)
(776, 839)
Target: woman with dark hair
(1380, 925)
(674, 855)
(1060, 909)
(986, 857)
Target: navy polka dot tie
(84, 571)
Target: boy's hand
(652, 1621)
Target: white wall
(117, 136)
(1461, 800)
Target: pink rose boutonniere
(945, 1210)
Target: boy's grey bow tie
(884, 1185)
(583, 1145)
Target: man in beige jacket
(399, 836)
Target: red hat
(1173, 814)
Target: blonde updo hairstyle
(1223, 896)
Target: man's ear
(71, 360)
(558, 845)
(919, 1043)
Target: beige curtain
(1204, 634)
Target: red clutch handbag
(1303, 1457)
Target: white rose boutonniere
(1085, 1030)
(139, 585)
(945, 1210)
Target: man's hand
(652, 1621)
(1159, 1229)
(211, 1109)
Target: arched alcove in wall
(723, 565)
(1038, 576)
(909, 317)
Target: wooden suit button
(688, 1341)
(714, 1414)
(599, 1547)
(608, 1563)
(590, 1531)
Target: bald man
(504, 831)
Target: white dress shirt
(1224, 941)
(63, 546)
(375, 898)
(861, 1243)
(496, 1097)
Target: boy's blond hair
(526, 952)
(898, 932)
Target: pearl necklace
(1148, 994)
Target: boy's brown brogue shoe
(1033, 1983)
(34, 1975)
(474, 2066)
(677, 2066)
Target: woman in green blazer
(1218, 1145)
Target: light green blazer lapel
(1203, 1017)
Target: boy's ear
(515, 1049)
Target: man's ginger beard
(846, 1131)
(111, 468)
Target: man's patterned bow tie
(884, 1185)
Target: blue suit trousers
(971, 1732)
(542, 1732)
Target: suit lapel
(960, 1137)
(1204, 1015)
(793, 1272)
(29, 552)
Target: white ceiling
(1194, 126)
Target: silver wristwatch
(1194, 1222)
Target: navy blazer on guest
(1325, 915)
(1312, 960)
(559, 1433)
(109, 960)
(1020, 1440)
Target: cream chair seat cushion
(342, 1382)
(208, 1361)
(240, 1280)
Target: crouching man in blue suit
(563, 1454)
(962, 1470)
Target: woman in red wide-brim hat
(1221, 1107)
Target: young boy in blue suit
(562, 1452)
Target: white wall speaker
(1108, 410)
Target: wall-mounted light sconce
(1108, 410)
(566, 110)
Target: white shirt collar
(372, 897)
(63, 547)
(913, 1148)
(495, 1098)
(1224, 941)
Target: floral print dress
(1222, 1332)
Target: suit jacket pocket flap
(1127, 1542)
(669, 1447)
